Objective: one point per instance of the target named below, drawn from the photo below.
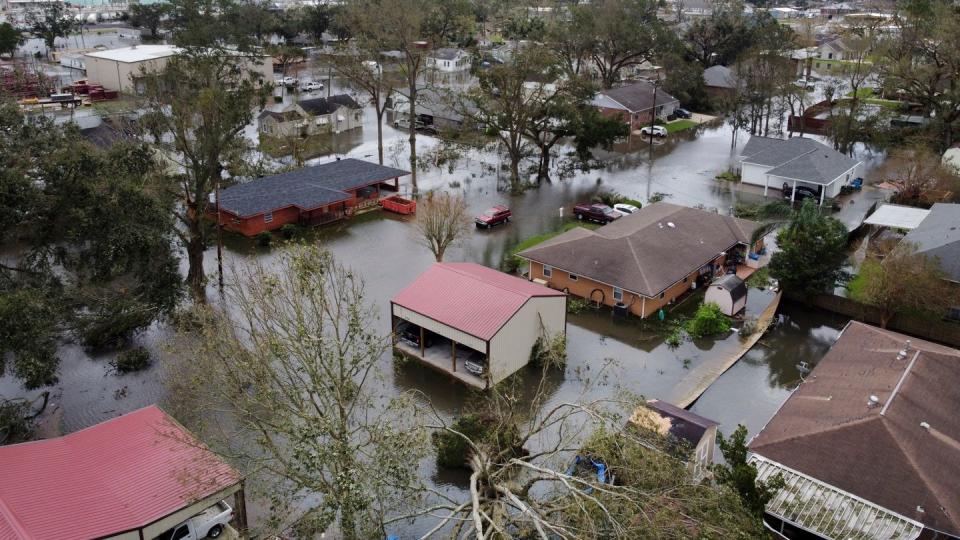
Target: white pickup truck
(207, 524)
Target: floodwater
(383, 249)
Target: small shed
(474, 323)
(729, 292)
(695, 435)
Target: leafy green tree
(721, 37)
(315, 20)
(741, 476)
(90, 232)
(905, 281)
(10, 39)
(617, 35)
(149, 16)
(921, 63)
(199, 106)
(812, 251)
(50, 22)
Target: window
(268, 217)
(573, 277)
(618, 294)
(547, 271)
(684, 280)
(661, 295)
(829, 56)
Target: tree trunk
(543, 170)
(412, 123)
(380, 112)
(885, 317)
(195, 275)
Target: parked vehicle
(625, 208)
(410, 334)
(682, 113)
(290, 82)
(311, 86)
(802, 192)
(208, 524)
(805, 84)
(654, 131)
(493, 216)
(600, 213)
(475, 363)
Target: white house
(797, 162)
(474, 323)
(833, 50)
(448, 59)
(316, 116)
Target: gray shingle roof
(638, 96)
(306, 188)
(445, 53)
(318, 106)
(641, 252)
(719, 77)
(938, 235)
(798, 158)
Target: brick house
(634, 103)
(308, 196)
(642, 261)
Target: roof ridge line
(475, 278)
(918, 471)
(636, 260)
(836, 427)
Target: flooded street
(384, 250)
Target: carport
(131, 478)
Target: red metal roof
(469, 297)
(116, 476)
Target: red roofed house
(132, 477)
(474, 323)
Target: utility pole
(219, 239)
(653, 115)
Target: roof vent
(873, 401)
(903, 352)
(660, 224)
(920, 509)
(924, 425)
(671, 225)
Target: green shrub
(728, 176)
(611, 198)
(264, 239)
(707, 321)
(576, 305)
(550, 351)
(659, 196)
(759, 279)
(131, 360)
(288, 231)
(453, 450)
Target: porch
(447, 357)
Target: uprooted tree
(522, 483)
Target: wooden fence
(945, 332)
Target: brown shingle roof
(879, 453)
(641, 252)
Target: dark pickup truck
(600, 213)
(494, 216)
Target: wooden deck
(701, 377)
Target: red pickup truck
(494, 216)
(600, 213)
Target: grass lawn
(309, 147)
(855, 287)
(510, 260)
(680, 125)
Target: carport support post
(823, 191)
(766, 184)
(793, 193)
(241, 504)
(453, 355)
(422, 348)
